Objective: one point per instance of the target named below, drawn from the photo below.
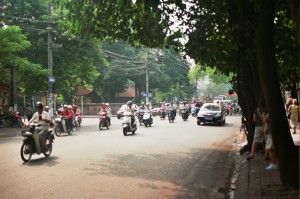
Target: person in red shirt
(76, 112)
(68, 116)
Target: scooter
(127, 123)
(61, 126)
(28, 147)
(140, 117)
(171, 116)
(184, 114)
(147, 118)
(103, 121)
(163, 114)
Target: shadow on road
(197, 173)
(42, 160)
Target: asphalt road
(168, 160)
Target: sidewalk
(255, 182)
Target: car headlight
(199, 114)
(218, 115)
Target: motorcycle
(4, 121)
(18, 119)
(229, 110)
(171, 115)
(147, 118)
(61, 126)
(140, 117)
(79, 119)
(127, 123)
(28, 147)
(184, 114)
(163, 114)
(103, 121)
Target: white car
(212, 113)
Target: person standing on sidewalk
(269, 143)
(288, 103)
(258, 132)
(295, 111)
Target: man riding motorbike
(132, 110)
(68, 116)
(42, 118)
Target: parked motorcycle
(61, 126)
(147, 118)
(163, 114)
(171, 115)
(4, 121)
(28, 147)
(127, 123)
(184, 114)
(104, 122)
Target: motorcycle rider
(108, 113)
(129, 108)
(67, 114)
(76, 112)
(43, 119)
(142, 107)
(172, 109)
(52, 121)
(105, 110)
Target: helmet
(103, 104)
(129, 103)
(147, 104)
(107, 104)
(143, 102)
(65, 106)
(69, 106)
(39, 104)
(47, 107)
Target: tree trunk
(286, 152)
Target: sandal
(250, 157)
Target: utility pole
(147, 79)
(50, 59)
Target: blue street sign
(51, 79)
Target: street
(166, 160)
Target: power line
(22, 18)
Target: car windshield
(210, 107)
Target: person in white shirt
(41, 118)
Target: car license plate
(208, 118)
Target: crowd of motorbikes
(144, 117)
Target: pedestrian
(258, 132)
(288, 103)
(28, 111)
(269, 143)
(295, 111)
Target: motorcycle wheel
(26, 148)
(49, 147)
(107, 125)
(101, 125)
(71, 131)
(57, 131)
(125, 131)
